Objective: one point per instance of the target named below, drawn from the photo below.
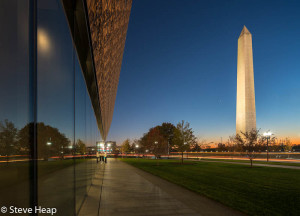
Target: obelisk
(245, 97)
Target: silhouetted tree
(80, 147)
(167, 131)
(126, 148)
(249, 144)
(288, 145)
(183, 137)
(221, 147)
(157, 142)
(50, 141)
(136, 146)
(8, 138)
(196, 148)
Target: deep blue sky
(180, 63)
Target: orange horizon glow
(216, 141)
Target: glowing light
(43, 40)
(49, 143)
(269, 133)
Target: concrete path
(254, 164)
(130, 191)
(91, 204)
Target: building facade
(58, 81)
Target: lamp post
(48, 143)
(184, 143)
(136, 147)
(187, 152)
(170, 137)
(168, 149)
(155, 142)
(268, 136)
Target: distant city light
(49, 143)
(269, 133)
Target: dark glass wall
(66, 127)
(55, 105)
(80, 137)
(14, 104)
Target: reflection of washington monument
(245, 97)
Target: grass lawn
(255, 191)
(255, 162)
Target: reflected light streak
(43, 40)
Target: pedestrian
(101, 157)
(97, 156)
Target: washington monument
(245, 97)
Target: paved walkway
(91, 204)
(128, 191)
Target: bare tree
(248, 144)
(201, 142)
(288, 144)
(184, 137)
(126, 148)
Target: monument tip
(244, 31)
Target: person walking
(101, 157)
(97, 156)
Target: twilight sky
(180, 64)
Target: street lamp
(49, 142)
(136, 147)
(155, 142)
(268, 136)
(102, 146)
(170, 137)
(187, 153)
